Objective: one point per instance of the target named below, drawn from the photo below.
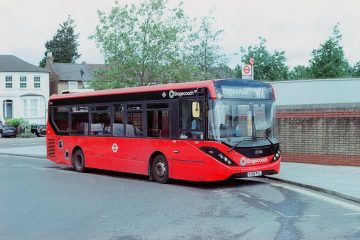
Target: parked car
(7, 131)
(38, 129)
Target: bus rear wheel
(79, 161)
(160, 169)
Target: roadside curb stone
(318, 189)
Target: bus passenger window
(100, 123)
(158, 123)
(134, 124)
(79, 121)
(61, 119)
(119, 119)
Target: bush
(16, 122)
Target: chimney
(49, 58)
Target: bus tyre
(79, 161)
(160, 169)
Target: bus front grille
(51, 148)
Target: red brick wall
(321, 134)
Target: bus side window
(119, 119)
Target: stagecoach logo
(253, 161)
(114, 147)
(173, 93)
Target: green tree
(142, 44)
(238, 71)
(64, 44)
(299, 72)
(268, 66)
(355, 70)
(206, 51)
(329, 60)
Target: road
(41, 200)
(21, 142)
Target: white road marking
(18, 165)
(245, 195)
(311, 215)
(350, 214)
(40, 168)
(263, 204)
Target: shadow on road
(141, 178)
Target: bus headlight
(221, 157)
(276, 156)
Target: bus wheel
(160, 169)
(79, 161)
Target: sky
(294, 26)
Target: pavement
(339, 181)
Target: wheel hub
(160, 169)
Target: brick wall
(322, 134)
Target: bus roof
(209, 84)
(161, 87)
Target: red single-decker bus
(198, 131)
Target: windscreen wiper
(233, 147)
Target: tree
(299, 72)
(355, 70)
(329, 60)
(64, 44)
(206, 51)
(142, 44)
(268, 66)
(150, 43)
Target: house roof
(10, 63)
(73, 72)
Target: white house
(24, 90)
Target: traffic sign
(246, 71)
(252, 61)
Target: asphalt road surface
(41, 200)
(21, 142)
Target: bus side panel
(129, 156)
(188, 161)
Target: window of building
(37, 82)
(73, 85)
(8, 82)
(8, 109)
(33, 107)
(25, 107)
(23, 82)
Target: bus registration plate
(254, 174)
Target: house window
(8, 109)
(25, 107)
(72, 85)
(36, 82)
(23, 82)
(8, 82)
(33, 107)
